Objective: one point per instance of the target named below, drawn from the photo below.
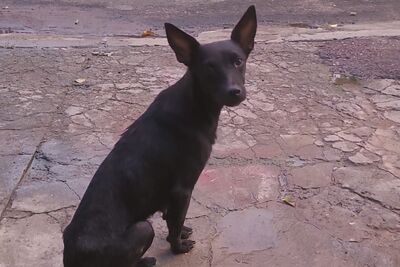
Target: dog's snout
(235, 95)
(235, 91)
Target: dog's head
(219, 67)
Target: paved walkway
(304, 173)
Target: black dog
(157, 161)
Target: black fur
(157, 161)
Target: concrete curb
(265, 35)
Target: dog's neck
(204, 110)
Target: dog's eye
(237, 62)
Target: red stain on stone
(238, 186)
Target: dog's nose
(234, 91)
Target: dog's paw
(186, 232)
(147, 262)
(184, 247)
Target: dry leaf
(288, 199)
(148, 33)
(99, 53)
(79, 81)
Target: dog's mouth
(235, 101)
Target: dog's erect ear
(245, 31)
(182, 43)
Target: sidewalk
(328, 145)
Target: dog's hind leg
(140, 237)
(123, 250)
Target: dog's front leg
(176, 214)
(186, 231)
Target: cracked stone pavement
(305, 172)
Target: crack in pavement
(70, 188)
(24, 173)
(376, 201)
(31, 213)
